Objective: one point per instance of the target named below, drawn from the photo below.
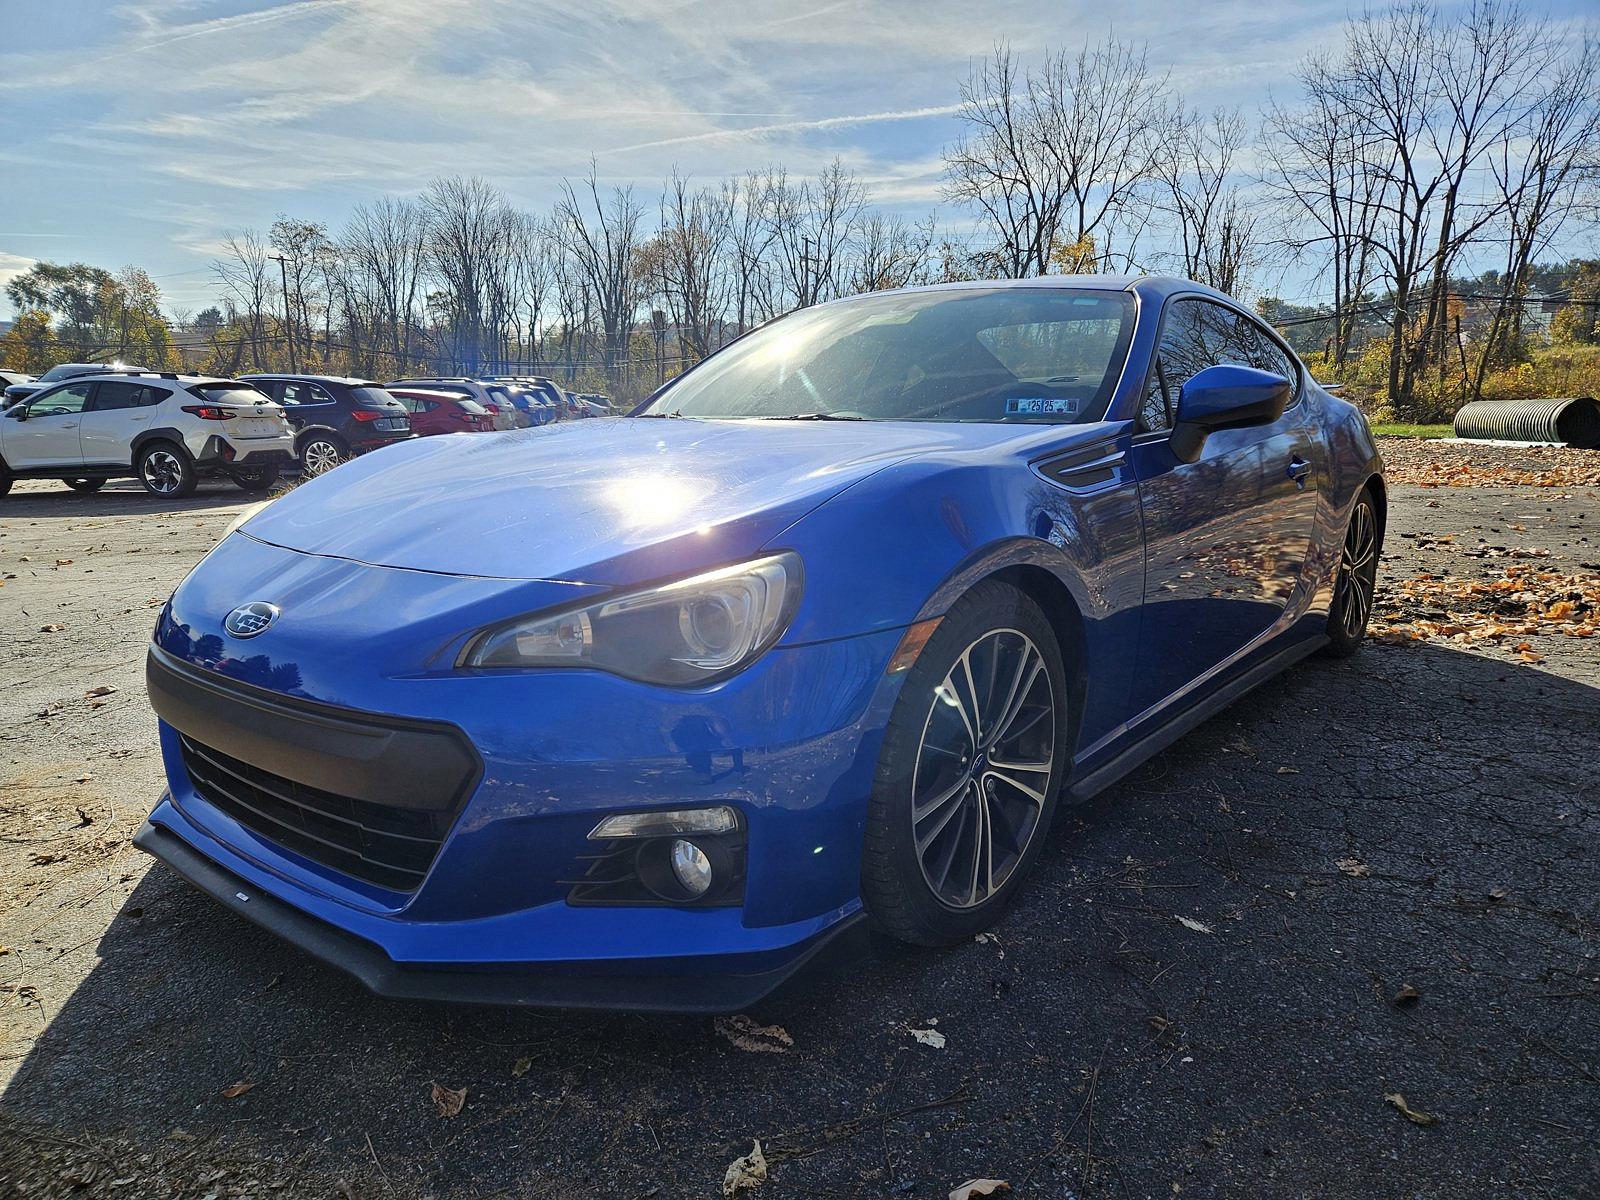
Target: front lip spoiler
(515, 986)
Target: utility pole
(288, 328)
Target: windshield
(64, 371)
(1033, 355)
(472, 407)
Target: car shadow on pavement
(1368, 879)
(118, 499)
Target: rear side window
(472, 407)
(111, 396)
(298, 392)
(228, 393)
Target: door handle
(1299, 471)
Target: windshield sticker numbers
(1040, 406)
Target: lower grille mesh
(388, 846)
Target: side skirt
(1163, 735)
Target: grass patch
(1413, 431)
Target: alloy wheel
(162, 472)
(1358, 571)
(320, 457)
(983, 768)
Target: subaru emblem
(250, 619)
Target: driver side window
(62, 402)
(1199, 334)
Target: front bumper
(791, 743)
(721, 991)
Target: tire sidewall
(340, 449)
(1340, 643)
(907, 908)
(191, 476)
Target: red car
(443, 412)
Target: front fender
(905, 544)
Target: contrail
(722, 135)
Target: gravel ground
(1340, 941)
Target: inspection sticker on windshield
(1040, 406)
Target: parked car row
(85, 423)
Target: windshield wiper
(815, 416)
(641, 416)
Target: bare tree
(890, 253)
(1545, 173)
(385, 252)
(1063, 156)
(689, 257)
(603, 237)
(244, 275)
(1212, 219)
(465, 239)
(813, 223)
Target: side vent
(1084, 470)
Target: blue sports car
(640, 713)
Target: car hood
(605, 502)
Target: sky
(145, 132)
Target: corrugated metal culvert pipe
(1571, 422)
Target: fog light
(692, 867)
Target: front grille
(382, 844)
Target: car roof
(347, 380)
(423, 390)
(1152, 287)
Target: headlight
(686, 632)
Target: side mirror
(20, 412)
(1225, 397)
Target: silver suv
(167, 430)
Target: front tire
(6, 479)
(1356, 579)
(972, 761)
(85, 486)
(166, 470)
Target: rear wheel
(166, 470)
(85, 485)
(972, 760)
(255, 479)
(1356, 581)
(321, 453)
(6, 478)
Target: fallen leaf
(236, 1089)
(978, 1187)
(521, 1067)
(1353, 867)
(928, 1037)
(1406, 995)
(1288, 771)
(1197, 926)
(104, 689)
(745, 1173)
(51, 628)
(1409, 1113)
(448, 1100)
(744, 1032)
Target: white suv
(167, 430)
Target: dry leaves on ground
(1435, 464)
(745, 1173)
(978, 1187)
(234, 1090)
(745, 1033)
(1520, 602)
(928, 1037)
(448, 1101)
(1353, 867)
(1405, 1110)
(1197, 926)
